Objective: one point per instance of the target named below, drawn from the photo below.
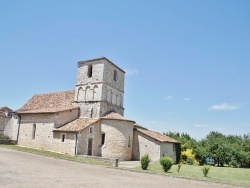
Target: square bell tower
(99, 88)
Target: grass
(228, 175)
(56, 155)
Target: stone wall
(67, 146)
(143, 144)
(2, 124)
(64, 117)
(118, 139)
(11, 128)
(168, 150)
(44, 137)
(102, 91)
(84, 137)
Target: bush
(187, 157)
(179, 167)
(190, 161)
(205, 170)
(233, 163)
(166, 163)
(145, 161)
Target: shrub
(179, 167)
(190, 161)
(205, 170)
(166, 163)
(187, 156)
(145, 161)
(233, 163)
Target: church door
(90, 144)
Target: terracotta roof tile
(76, 125)
(2, 114)
(157, 136)
(4, 108)
(116, 116)
(49, 103)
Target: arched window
(91, 112)
(88, 94)
(80, 95)
(129, 142)
(34, 132)
(90, 69)
(95, 96)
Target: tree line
(229, 150)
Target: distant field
(236, 176)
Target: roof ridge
(54, 92)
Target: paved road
(24, 170)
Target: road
(24, 170)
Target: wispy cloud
(200, 125)
(168, 97)
(224, 106)
(186, 99)
(131, 71)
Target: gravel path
(24, 170)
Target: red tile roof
(77, 125)
(157, 136)
(82, 123)
(4, 108)
(49, 103)
(115, 116)
(2, 114)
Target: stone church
(89, 120)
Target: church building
(89, 120)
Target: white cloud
(200, 125)
(186, 99)
(131, 71)
(224, 106)
(168, 97)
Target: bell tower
(99, 88)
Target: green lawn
(56, 155)
(236, 176)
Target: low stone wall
(111, 161)
(5, 141)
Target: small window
(115, 75)
(91, 130)
(129, 142)
(34, 132)
(90, 67)
(103, 139)
(173, 147)
(63, 138)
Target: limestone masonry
(87, 120)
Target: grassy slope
(236, 176)
(56, 155)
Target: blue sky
(187, 62)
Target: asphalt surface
(24, 170)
